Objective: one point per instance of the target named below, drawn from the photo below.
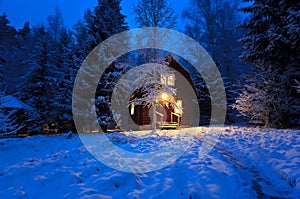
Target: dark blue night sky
(36, 11)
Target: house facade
(170, 111)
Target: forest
(255, 45)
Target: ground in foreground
(245, 163)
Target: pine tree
(9, 44)
(272, 41)
(25, 31)
(26, 42)
(7, 32)
(271, 38)
(82, 42)
(2, 71)
(66, 75)
(104, 21)
(38, 87)
(10, 124)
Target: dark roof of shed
(10, 101)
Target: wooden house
(184, 114)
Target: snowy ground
(245, 163)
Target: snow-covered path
(271, 157)
(246, 163)
(263, 186)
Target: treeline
(38, 65)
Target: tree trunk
(154, 117)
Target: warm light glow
(179, 103)
(171, 80)
(132, 109)
(178, 109)
(163, 80)
(165, 96)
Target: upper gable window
(168, 80)
(163, 80)
(171, 80)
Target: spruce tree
(9, 44)
(37, 87)
(66, 72)
(2, 71)
(272, 43)
(104, 21)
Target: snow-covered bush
(16, 117)
(262, 100)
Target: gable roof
(10, 101)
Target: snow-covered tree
(261, 99)
(55, 25)
(63, 70)
(272, 39)
(38, 87)
(98, 24)
(104, 21)
(82, 42)
(155, 13)
(25, 31)
(213, 24)
(33, 88)
(152, 91)
(65, 74)
(23, 45)
(14, 116)
(273, 43)
(297, 86)
(8, 45)
(2, 71)
(9, 123)
(7, 32)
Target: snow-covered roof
(9, 101)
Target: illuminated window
(179, 103)
(171, 80)
(165, 96)
(132, 108)
(178, 108)
(163, 80)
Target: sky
(36, 11)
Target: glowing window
(171, 80)
(163, 80)
(178, 108)
(132, 109)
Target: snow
(245, 163)
(12, 102)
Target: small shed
(13, 116)
(11, 102)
